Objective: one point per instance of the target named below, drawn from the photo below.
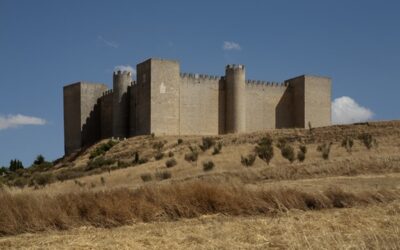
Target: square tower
(81, 114)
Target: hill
(343, 191)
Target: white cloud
(125, 68)
(111, 44)
(231, 46)
(345, 110)
(13, 121)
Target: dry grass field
(350, 200)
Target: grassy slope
(362, 170)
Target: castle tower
(235, 88)
(121, 82)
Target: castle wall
(268, 105)
(106, 114)
(132, 92)
(72, 121)
(165, 87)
(201, 105)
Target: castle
(165, 101)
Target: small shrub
(287, 152)
(20, 182)
(159, 155)
(41, 179)
(170, 163)
(264, 149)
(180, 141)
(208, 165)
(102, 149)
(170, 154)
(98, 163)
(122, 164)
(207, 142)
(303, 149)
(152, 135)
(348, 143)
(163, 175)
(368, 140)
(248, 160)
(158, 145)
(146, 177)
(325, 149)
(301, 156)
(143, 160)
(217, 148)
(135, 158)
(103, 180)
(281, 143)
(192, 155)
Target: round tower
(121, 82)
(235, 99)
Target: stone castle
(165, 101)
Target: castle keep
(165, 101)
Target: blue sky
(47, 44)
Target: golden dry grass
(371, 227)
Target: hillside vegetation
(174, 181)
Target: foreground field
(349, 200)
(372, 227)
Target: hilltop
(152, 183)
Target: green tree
(15, 165)
(39, 160)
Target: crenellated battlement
(199, 76)
(267, 83)
(124, 72)
(234, 66)
(108, 92)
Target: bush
(136, 158)
(180, 141)
(170, 163)
(98, 162)
(207, 142)
(102, 180)
(69, 174)
(303, 149)
(248, 160)
(325, 149)
(348, 143)
(15, 165)
(158, 145)
(208, 165)
(41, 179)
(368, 140)
(301, 156)
(192, 155)
(146, 177)
(281, 143)
(122, 164)
(159, 155)
(143, 160)
(264, 149)
(287, 152)
(102, 149)
(217, 148)
(20, 182)
(170, 154)
(163, 175)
